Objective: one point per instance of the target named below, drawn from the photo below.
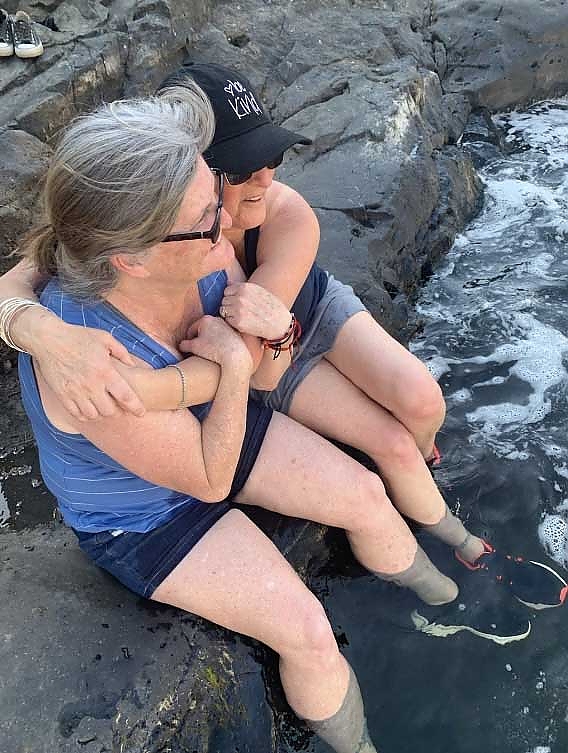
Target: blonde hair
(115, 185)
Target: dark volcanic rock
(503, 54)
(24, 158)
(371, 100)
(99, 665)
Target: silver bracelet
(9, 309)
(183, 385)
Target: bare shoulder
(56, 412)
(290, 230)
(282, 201)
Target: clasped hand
(212, 338)
(253, 310)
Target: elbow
(213, 488)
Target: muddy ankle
(427, 582)
(346, 731)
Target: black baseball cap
(245, 138)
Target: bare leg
(299, 473)
(236, 577)
(330, 404)
(391, 376)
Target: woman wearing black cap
(349, 380)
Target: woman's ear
(130, 264)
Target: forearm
(270, 370)
(266, 369)
(285, 284)
(287, 245)
(223, 431)
(19, 281)
(172, 448)
(162, 389)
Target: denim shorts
(141, 561)
(338, 304)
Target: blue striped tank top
(94, 492)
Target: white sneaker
(6, 36)
(27, 43)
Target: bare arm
(171, 448)
(161, 389)
(267, 308)
(21, 282)
(287, 244)
(77, 363)
(287, 247)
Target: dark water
(495, 318)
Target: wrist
(280, 331)
(240, 361)
(287, 342)
(17, 318)
(41, 326)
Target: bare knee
(310, 640)
(397, 449)
(425, 403)
(374, 505)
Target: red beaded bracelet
(288, 341)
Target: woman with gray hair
(350, 380)
(132, 240)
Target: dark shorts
(141, 561)
(338, 304)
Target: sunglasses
(237, 179)
(215, 232)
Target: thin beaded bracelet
(9, 309)
(183, 385)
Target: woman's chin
(251, 214)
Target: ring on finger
(222, 312)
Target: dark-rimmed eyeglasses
(215, 232)
(237, 179)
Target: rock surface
(384, 89)
(501, 55)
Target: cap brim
(252, 150)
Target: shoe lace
(23, 33)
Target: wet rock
(500, 54)
(481, 127)
(24, 158)
(102, 668)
